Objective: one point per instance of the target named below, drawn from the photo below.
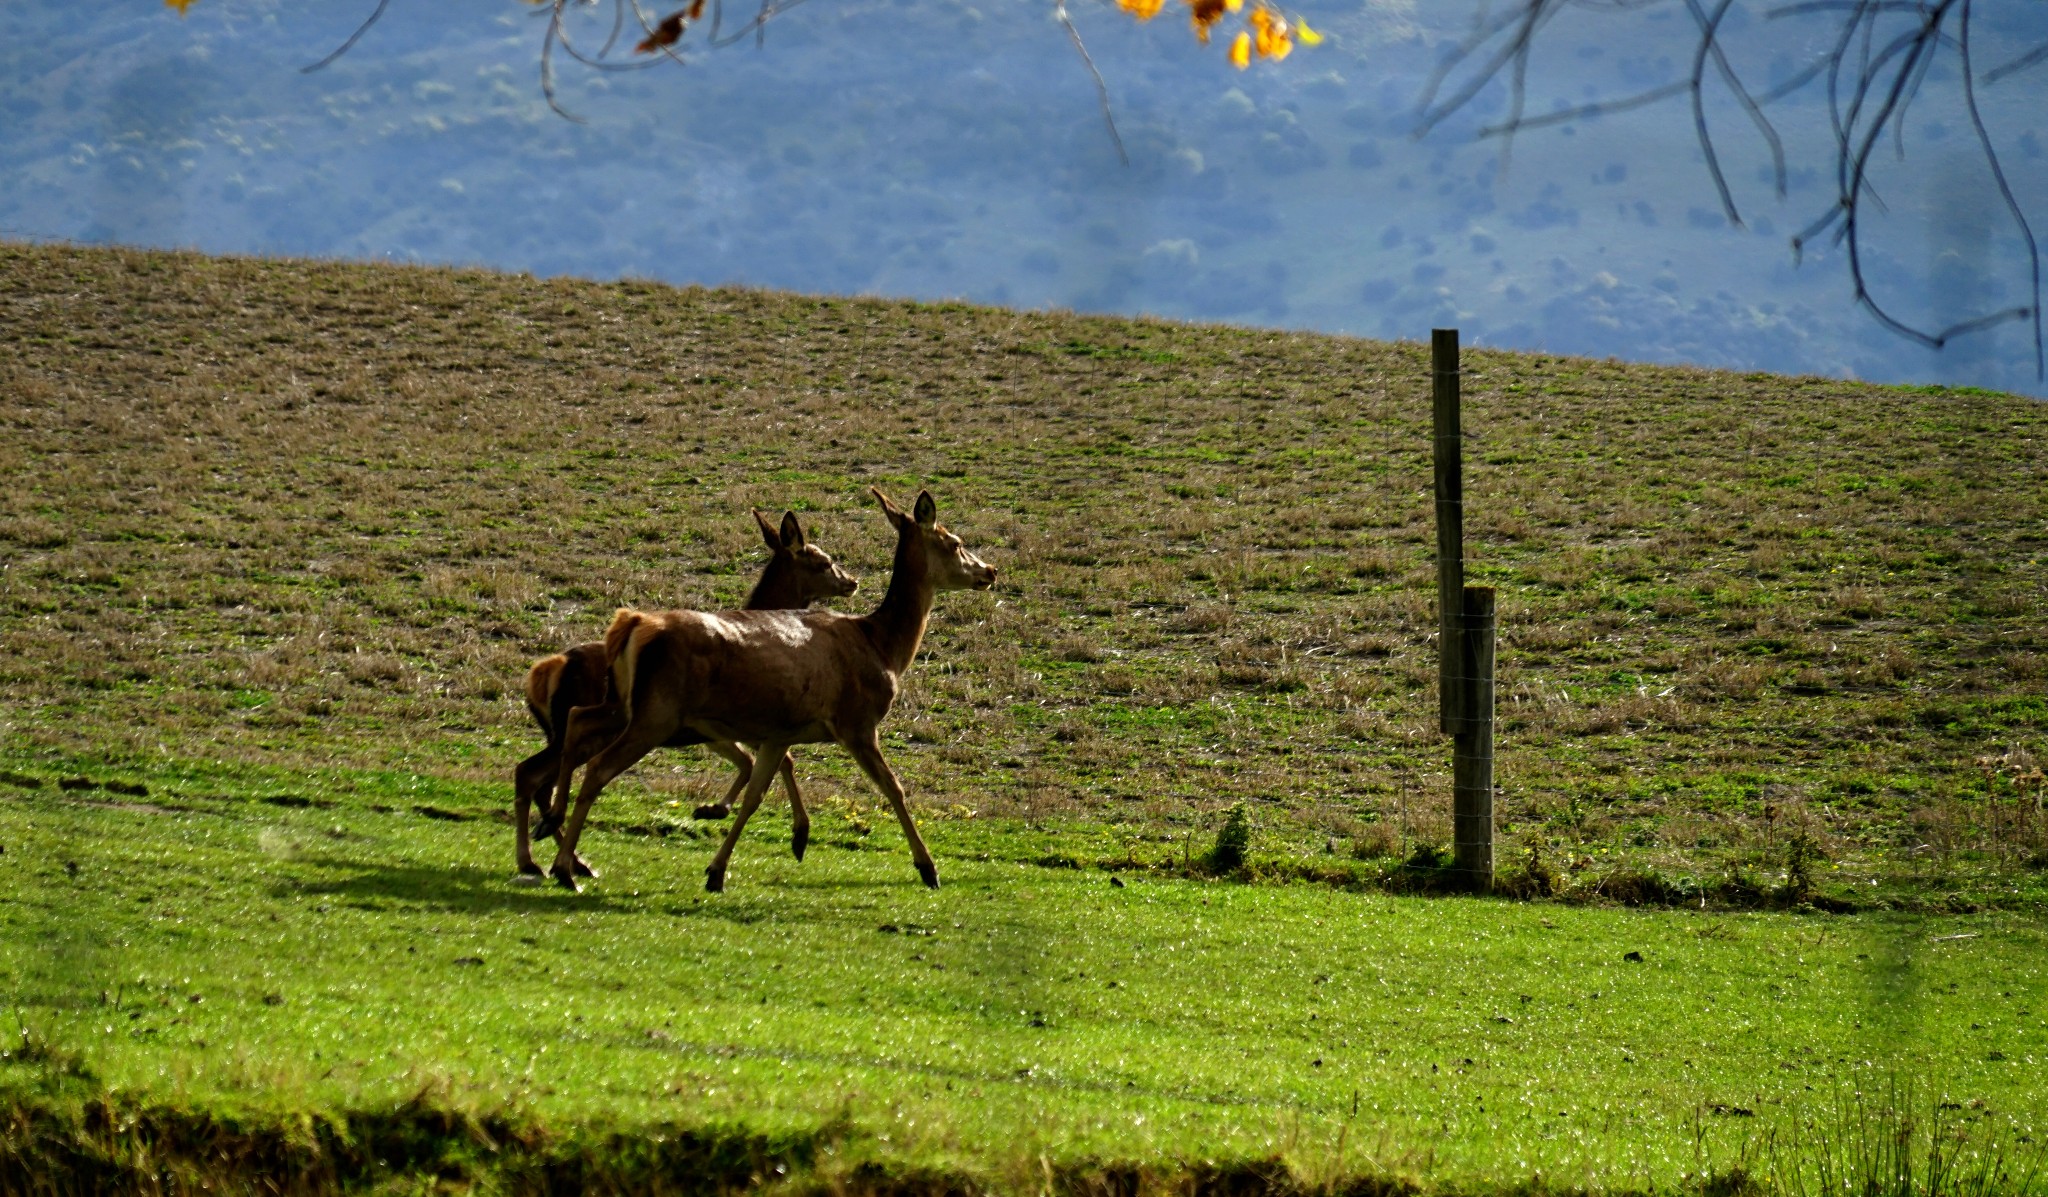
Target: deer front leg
(766, 760)
(586, 731)
(799, 818)
(621, 755)
(867, 752)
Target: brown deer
(798, 574)
(777, 678)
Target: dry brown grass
(314, 514)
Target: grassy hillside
(310, 515)
(280, 539)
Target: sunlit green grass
(203, 945)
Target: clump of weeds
(1233, 842)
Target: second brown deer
(798, 574)
(777, 678)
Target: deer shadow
(461, 889)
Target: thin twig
(547, 63)
(2012, 205)
(2033, 57)
(618, 27)
(353, 38)
(1601, 108)
(1699, 106)
(1101, 89)
(1750, 106)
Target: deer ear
(792, 532)
(926, 512)
(889, 509)
(767, 531)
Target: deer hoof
(547, 826)
(583, 869)
(711, 810)
(799, 840)
(930, 873)
(714, 880)
(529, 869)
(566, 878)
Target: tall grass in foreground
(1895, 1143)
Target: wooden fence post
(1465, 616)
(1472, 756)
(1450, 523)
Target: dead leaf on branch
(1203, 14)
(670, 31)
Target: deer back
(750, 675)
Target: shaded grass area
(211, 954)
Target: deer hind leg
(799, 818)
(533, 778)
(867, 752)
(767, 758)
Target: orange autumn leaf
(696, 9)
(180, 5)
(1144, 10)
(1241, 51)
(1309, 37)
(1270, 35)
(668, 33)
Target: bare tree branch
(1880, 59)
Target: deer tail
(543, 685)
(630, 631)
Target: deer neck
(777, 589)
(897, 625)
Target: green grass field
(282, 537)
(236, 954)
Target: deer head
(812, 575)
(947, 563)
